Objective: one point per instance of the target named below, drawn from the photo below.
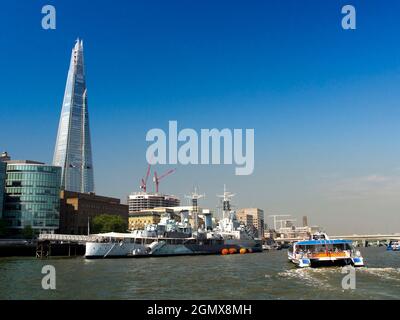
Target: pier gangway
(66, 237)
(49, 244)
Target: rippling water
(266, 275)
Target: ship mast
(194, 196)
(226, 202)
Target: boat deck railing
(328, 254)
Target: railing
(330, 255)
(66, 237)
(318, 255)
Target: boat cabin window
(321, 248)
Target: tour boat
(322, 251)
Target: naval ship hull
(133, 250)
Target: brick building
(78, 209)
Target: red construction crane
(143, 182)
(157, 179)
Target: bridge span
(369, 237)
(364, 238)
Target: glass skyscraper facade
(32, 196)
(73, 151)
(3, 166)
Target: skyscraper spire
(73, 151)
(77, 44)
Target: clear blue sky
(324, 102)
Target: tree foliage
(108, 223)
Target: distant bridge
(369, 237)
(354, 237)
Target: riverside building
(32, 196)
(138, 220)
(294, 232)
(139, 201)
(3, 167)
(77, 210)
(252, 217)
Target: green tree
(108, 223)
(28, 232)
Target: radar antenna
(226, 202)
(194, 196)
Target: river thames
(266, 275)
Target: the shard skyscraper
(73, 151)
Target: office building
(252, 217)
(297, 233)
(77, 210)
(143, 201)
(3, 167)
(305, 221)
(73, 151)
(32, 196)
(246, 219)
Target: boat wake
(311, 277)
(330, 278)
(392, 274)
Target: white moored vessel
(170, 237)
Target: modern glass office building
(73, 151)
(32, 196)
(3, 166)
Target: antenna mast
(194, 196)
(226, 202)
